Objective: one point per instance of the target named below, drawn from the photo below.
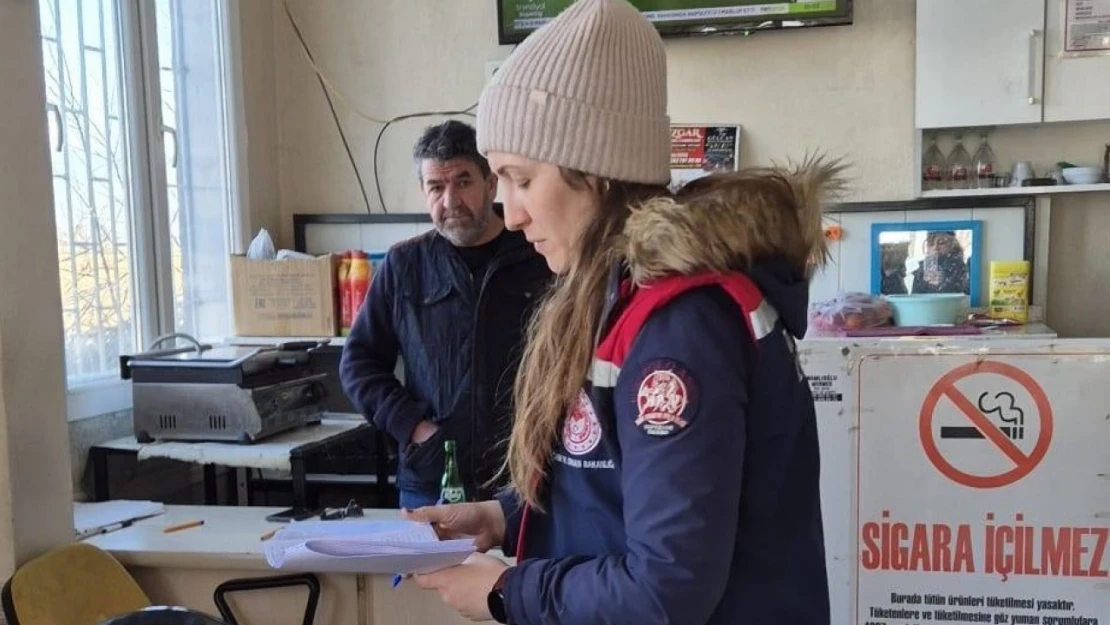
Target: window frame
(151, 271)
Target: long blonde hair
(560, 337)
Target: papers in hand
(363, 546)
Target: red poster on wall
(697, 150)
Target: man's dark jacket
(460, 339)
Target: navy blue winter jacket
(684, 489)
(459, 339)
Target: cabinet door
(979, 63)
(1075, 87)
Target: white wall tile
(825, 283)
(1003, 232)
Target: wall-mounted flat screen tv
(684, 18)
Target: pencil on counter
(269, 534)
(182, 526)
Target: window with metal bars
(145, 184)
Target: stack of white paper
(358, 546)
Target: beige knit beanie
(586, 91)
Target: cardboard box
(284, 297)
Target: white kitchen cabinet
(979, 63)
(999, 62)
(1075, 87)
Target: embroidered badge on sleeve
(666, 398)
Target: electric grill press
(224, 393)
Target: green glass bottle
(451, 487)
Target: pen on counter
(104, 530)
(182, 526)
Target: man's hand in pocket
(424, 430)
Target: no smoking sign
(981, 484)
(986, 424)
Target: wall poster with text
(698, 150)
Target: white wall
(35, 495)
(256, 19)
(844, 90)
(1079, 265)
(392, 58)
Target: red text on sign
(1054, 551)
(1005, 549)
(918, 547)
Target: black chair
(174, 615)
(163, 615)
(265, 583)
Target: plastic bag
(261, 247)
(849, 311)
(294, 255)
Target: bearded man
(453, 304)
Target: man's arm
(680, 404)
(370, 358)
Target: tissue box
(288, 298)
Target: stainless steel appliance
(223, 393)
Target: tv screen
(673, 18)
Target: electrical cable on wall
(331, 106)
(328, 88)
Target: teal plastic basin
(927, 309)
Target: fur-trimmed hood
(764, 222)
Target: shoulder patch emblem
(666, 398)
(581, 430)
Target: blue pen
(397, 579)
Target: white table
(285, 452)
(184, 568)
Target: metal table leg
(300, 487)
(211, 493)
(99, 459)
(231, 483)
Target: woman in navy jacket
(664, 455)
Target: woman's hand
(483, 521)
(466, 587)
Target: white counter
(184, 568)
(1035, 330)
(229, 539)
